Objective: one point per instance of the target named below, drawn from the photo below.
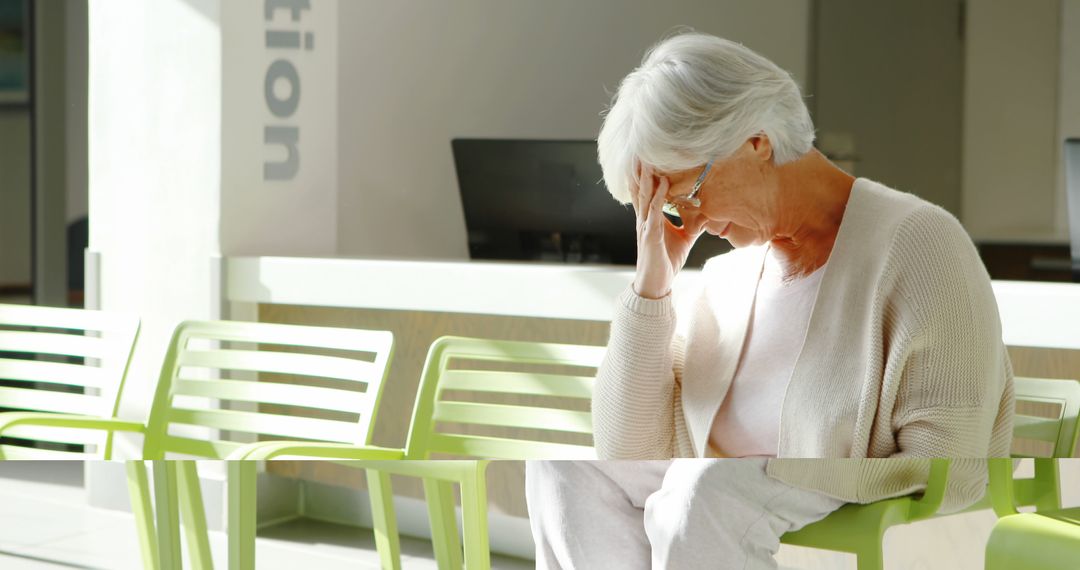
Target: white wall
(414, 75)
(1011, 146)
(889, 80)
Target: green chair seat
(1035, 541)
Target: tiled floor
(45, 524)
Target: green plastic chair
(63, 361)
(859, 529)
(1049, 538)
(208, 375)
(473, 401)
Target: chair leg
(444, 529)
(1047, 484)
(165, 503)
(193, 515)
(387, 542)
(242, 479)
(474, 519)
(143, 509)
(871, 557)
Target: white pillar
(173, 98)
(155, 182)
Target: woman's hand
(662, 246)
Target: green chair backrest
(284, 381)
(1061, 429)
(505, 400)
(69, 361)
(1057, 427)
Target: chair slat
(514, 416)
(216, 449)
(1033, 427)
(268, 424)
(49, 401)
(283, 363)
(292, 335)
(28, 453)
(52, 372)
(275, 393)
(54, 343)
(498, 448)
(518, 383)
(523, 352)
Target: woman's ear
(762, 146)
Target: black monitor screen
(540, 200)
(1072, 191)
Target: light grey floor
(46, 524)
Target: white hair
(696, 98)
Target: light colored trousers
(685, 514)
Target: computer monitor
(540, 200)
(545, 200)
(1072, 196)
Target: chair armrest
(313, 450)
(927, 506)
(10, 420)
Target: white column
(212, 131)
(155, 182)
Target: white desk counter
(1033, 314)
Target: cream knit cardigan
(903, 358)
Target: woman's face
(736, 196)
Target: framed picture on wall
(14, 52)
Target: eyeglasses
(690, 200)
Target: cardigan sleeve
(954, 396)
(633, 408)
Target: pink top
(748, 422)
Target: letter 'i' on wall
(282, 86)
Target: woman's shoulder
(893, 207)
(906, 221)
(929, 258)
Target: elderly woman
(850, 321)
